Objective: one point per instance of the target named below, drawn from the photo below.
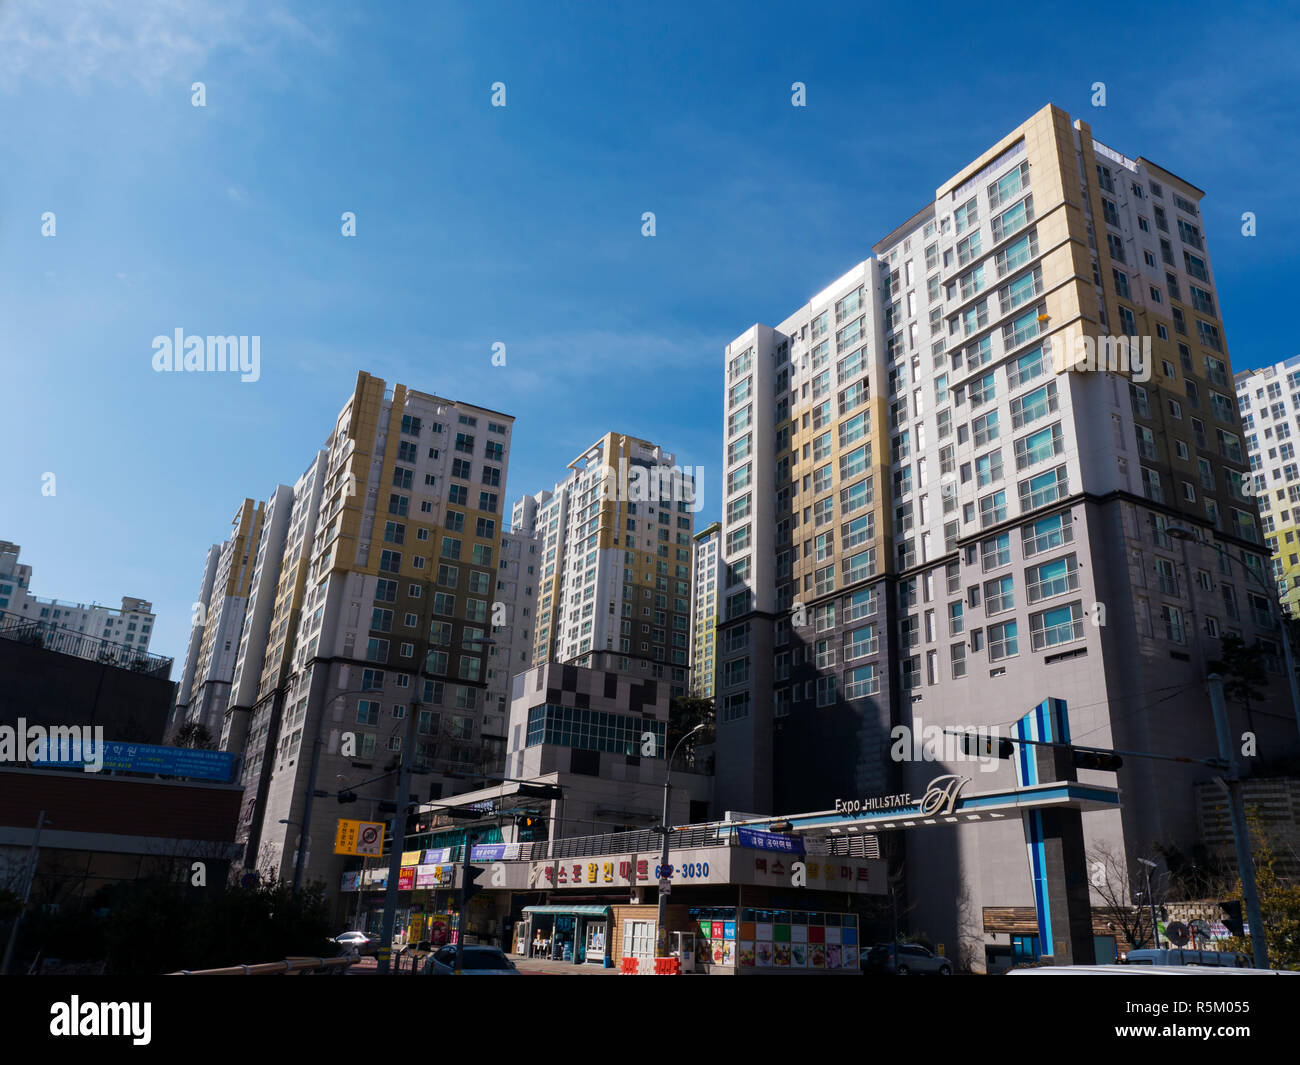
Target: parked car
(478, 960)
(358, 941)
(1219, 959)
(905, 959)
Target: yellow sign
(411, 857)
(362, 838)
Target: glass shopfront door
(596, 932)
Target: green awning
(581, 911)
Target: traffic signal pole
(398, 840)
(1240, 835)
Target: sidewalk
(541, 967)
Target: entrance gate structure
(1050, 802)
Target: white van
(1217, 958)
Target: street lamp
(1151, 901)
(663, 854)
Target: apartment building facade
(940, 509)
(615, 539)
(129, 625)
(704, 610)
(1269, 401)
(514, 613)
(354, 607)
(218, 623)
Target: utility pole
(398, 840)
(664, 879)
(463, 909)
(1240, 836)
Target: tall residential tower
(943, 506)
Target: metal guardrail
(288, 967)
(46, 634)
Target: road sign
(1177, 933)
(362, 838)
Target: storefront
(572, 933)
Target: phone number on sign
(687, 871)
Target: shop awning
(581, 911)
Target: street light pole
(1147, 866)
(663, 853)
(1240, 838)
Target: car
(358, 941)
(477, 961)
(1219, 959)
(906, 959)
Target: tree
(1113, 882)
(1201, 876)
(1279, 902)
(195, 735)
(684, 713)
(1245, 678)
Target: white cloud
(146, 42)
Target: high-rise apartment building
(219, 621)
(514, 614)
(327, 600)
(615, 540)
(704, 609)
(119, 634)
(942, 507)
(262, 675)
(1269, 401)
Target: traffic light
(986, 745)
(468, 889)
(347, 796)
(1096, 760)
(1232, 919)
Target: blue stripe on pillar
(1038, 873)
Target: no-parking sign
(362, 838)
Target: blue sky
(519, 225)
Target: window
(861, 682)
(999, 595)
(1039, 446)
(988, 468)
(1003, 642)
(1043, 489)
(1033, 405)
(1060, 625)
(993, 509)
(1051, 578)
(995, 552)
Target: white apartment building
(117, 633)
(937, 513)
(1269, 400)
(704, 610)
(515, 614)
(615, 539)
